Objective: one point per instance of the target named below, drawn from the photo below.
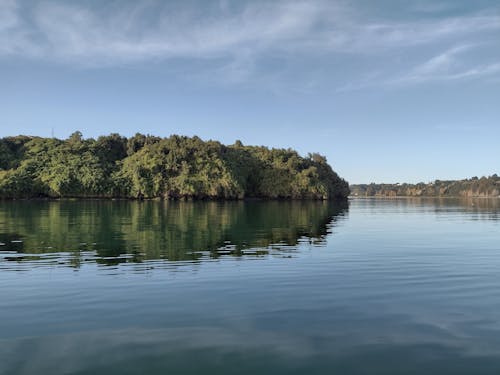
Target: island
(151, 167)
(484, 187)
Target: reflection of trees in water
(134, 231)
(471, 208)
(474, 208)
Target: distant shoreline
(484, 187)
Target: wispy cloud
(9, 23)
(70, 32)
(8, 14)
(438, 66)
(440, 63)
(238, 37)
(448, 66)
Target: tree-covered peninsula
(146, 166)
(484, 187)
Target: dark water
(379, 287)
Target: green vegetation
(469, 188)
(145, 166)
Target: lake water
(373, 287)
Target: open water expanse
(375, 286)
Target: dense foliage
(145, 166)
(474, 187)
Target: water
(379, 287)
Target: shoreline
(250, 199)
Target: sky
(388, 91)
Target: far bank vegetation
(475, 187)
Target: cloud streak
(448, 66)
(239, 38)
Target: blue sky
(388, 90)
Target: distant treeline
(146, 166)
(469, 188)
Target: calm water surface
(372, 287)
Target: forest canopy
(145, 166)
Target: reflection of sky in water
(399, 287)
